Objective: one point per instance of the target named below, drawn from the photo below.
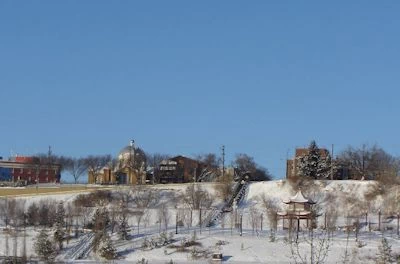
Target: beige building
(130, 168)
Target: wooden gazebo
(298, 210)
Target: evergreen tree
(60, 215)
(313, 165)
(384, 253)
(59, 233)
(107, 250)
(44, 248)
(100, 222)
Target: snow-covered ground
(253, 246)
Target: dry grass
(45, 190)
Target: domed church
(130, 168)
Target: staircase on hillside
(239, 192)
(207, 176)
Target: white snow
(254, 246)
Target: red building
(29, 170)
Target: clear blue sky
(185, 77)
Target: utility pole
(332, 161)
(49, 153)
(49, 162)
(223, 161)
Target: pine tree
(59, 233)
(100, 222)
(312, 165)
(107, 250)
(385, 253)
(44, 248)
(60, 215)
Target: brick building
(29, 170)
(341, 172)
(179, 169)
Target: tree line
(358, 163)
(78, 166)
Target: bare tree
(143, 199)
(123, 221)
(4, 211)
(367, 162)
(195, 197)
(47, 212)
(271, 208)
(254, 218)
(95, 164)
(331, 212)
(16, 212)
(210, 160)
(76, 167)
(33, 214)
(246, 163)
(318, 245)
(224, 188)
(163, 215)
(154, 160)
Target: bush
(45, 248)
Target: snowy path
(82, 248)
